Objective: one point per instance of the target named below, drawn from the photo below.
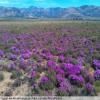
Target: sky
(48, 3)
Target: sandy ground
(21, 91)
(7, 83)
(4, 85)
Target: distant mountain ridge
(77, 13)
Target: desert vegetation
(49, 58)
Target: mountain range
(75, 13)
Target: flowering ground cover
(53, 58)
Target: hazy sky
(48, 3)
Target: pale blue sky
(48, 3)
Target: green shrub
(97, 83)
(1, 76)
(46, 86)
(16, 74)
(61, 93)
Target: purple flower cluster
(1, 53)
(12, 57)
(46, 54)
(96, 64)
(69, 69)
(45, 83)
(44, 80)
(32, 74)
(76, 80)
(22, 64)
(65, 86)
(97, 75)
(11, 67)
(62, 58)
(89, 87)
(15, 50)
(59, 78)
(26, 54)
(51, 64)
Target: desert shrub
(35, 89)
(96, 55)
(52, 76)
(8, 92)
(62, 93)
(31, 81)
(16, 74)
(1, 76)
(17, 83)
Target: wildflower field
(49, 58)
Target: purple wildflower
(22, 63)
(71, 69)
(59, 70)
(15, 50)
(47, 56)
(12, 57)
(46, 83)
(1, 53)
(65, 88)
(80, 61)
(51, 64)
(32, 74)
(76, 80)
(97, 75)
(11, 66)
(66, 66)
(61, 58)
(96, 64)
(59, 78)
(44, 79)
(89, 87)
(74, 70)
(26, 54)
